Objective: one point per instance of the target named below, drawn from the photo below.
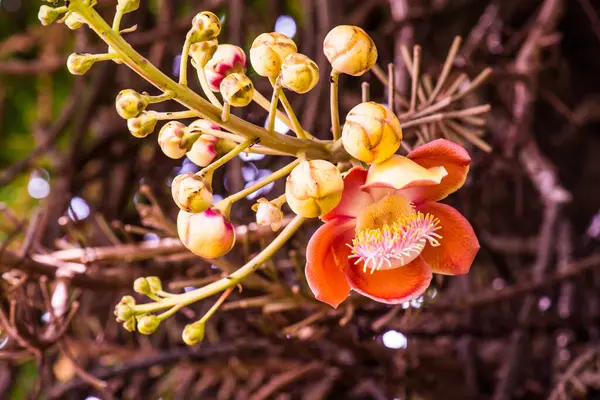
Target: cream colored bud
(125, 309)
(314, 188)
(47, 15)
(208, 234)
(268, 214)
(74, 21)
(191, 193)
(350, 50)
(148, 324)
(237, 89)
(226, 60)
(299, 73)
(371, 133)
(80, 63)
(201, 52)
(203, 151)
(127, 6)
(130, 104)
(193, 333)
(268, 52)
(143, 125)
(171, 141)
(205, 26)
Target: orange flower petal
(459, 245)
(390, 286)
(354, 200)
(397, 173)
(441, 152)
(326, 258)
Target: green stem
(297, 127)
(116, 25)
(216, 306)
(164, 116)
(226, 113)
(104, 57)
(259, 99)
(190, 99)
(233, 279)
(183, 65)
(333, 104)
(273, 108)
(263, 182)
(167, 95)
(206, 89)
(227, 157)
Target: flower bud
(237, 89)
(124, 311)
(226, 60)
(148, 285)
(299, 73)
(127, 6)
(208, 234)
(170, 139)
(268, 213)
(129, 325)
(80, 63)
(130, 103)
(268, 52)
(143, 125)
(203, 151)
(201, 52)
(371, 133)
(48, 15)
(148, 324)
(314, 188)
(205, 26)
(350, 50)
(193, 333)
(74, 21)
(191, 194)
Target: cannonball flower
(227, 60)
(389, 234)
(208, 234)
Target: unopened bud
(226, 60)
(80, 63)
(74, 21)
(193, 333)
(201, 52)
(299, 73)
(47, 15)
(314, 188)
(208, 234)
(129, 325)
(371, 133)
(130, 103)
(148, 324)
(143, 125)
(268, 52)
(350, 50)
(147, 285)
(124, 311)
(205, 26)
(127, 6)
(268, 214)
(191, 193)
(171, 141)
(204, 150)
(237, 89)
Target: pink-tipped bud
(226, 60)
(204, 150)
(171, 141)
(208, 234)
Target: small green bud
(124, 311)
(201, 52)
(171, 141)
(127, 6)
(191, 193)
(193, 333)
(47, 15)
(74, 21)
(205, 26)
(155, 283)
(80, 63)
(148, 324)
(130, 103)
(237, 89)
(129, 325)
(141, 286)
(143, 125)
